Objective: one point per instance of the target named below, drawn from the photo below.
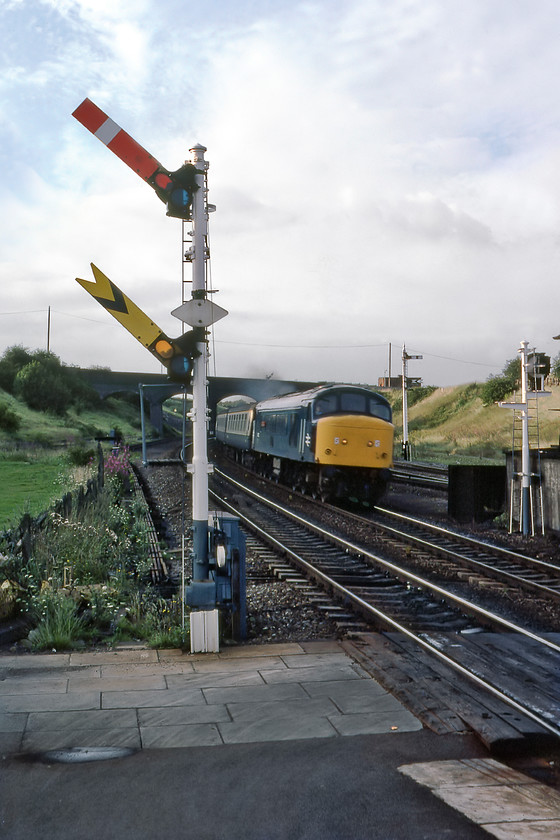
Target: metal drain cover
(77, 755)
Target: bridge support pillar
(156, 416)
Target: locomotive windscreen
(351, 402)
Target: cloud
(383, 172)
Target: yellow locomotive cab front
(354, 441)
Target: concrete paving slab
(91, 719)
(311, 660)
(255, 651)
(116, 683)
(526, 830)
(37, 685)
(467, 773)
(356, 695)
(182, 715)
(240, 664)
(35, 660)
(374, 723)
(108, 657)
(215, 679)
(143, 699)
(50, 702)
(319, 673)
(276, 729)
(39, 741)
(506, 803)
(320, 646)
(354, 703)
(242, 712)
(138, 669)
(254, 694)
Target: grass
(451, 425)
(86, 580)
(79, 424)
(29, 485)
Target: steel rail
(466, 538)
(398, 571)
(500, 552)
(364, 606)
(435, 477)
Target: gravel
(276, 610)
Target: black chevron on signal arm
(118, 304)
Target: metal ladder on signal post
(535, 488)
(530, 510)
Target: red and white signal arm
(122, 144)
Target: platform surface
(264, 742)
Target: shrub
(9, 420)
(79, 456)
(496, 388)
(42, 387)
(12, 361)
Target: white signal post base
(205, 637)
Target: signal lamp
(178, 356)
(176, 189)
(164, 348)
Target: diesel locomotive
(334, 442)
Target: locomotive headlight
(344, 441)
(370, 443)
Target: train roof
(302, 398)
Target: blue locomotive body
(333, 441)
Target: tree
(42, 385)
(43, 382)
(496, 388)
(13, 360)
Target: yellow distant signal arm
(175, 353)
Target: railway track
(420, 475)
(494, 562)
(414, 612)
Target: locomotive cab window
(351, 402)
(327, 404)
(380, 409)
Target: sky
(385, 173)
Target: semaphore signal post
(184, 191)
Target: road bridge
(158, 388)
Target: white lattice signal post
(184, 191)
